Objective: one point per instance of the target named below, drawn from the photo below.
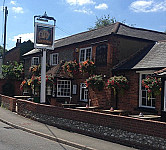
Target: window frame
(85, 53)
(140, 90)
(60, 95)
(51, 59)
(32, 61)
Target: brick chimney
(18, 42)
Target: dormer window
(35, 61)
(85, 53)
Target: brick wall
(153, 128)
(12, 55)
(8, 102)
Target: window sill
(144, 109)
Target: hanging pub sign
(44, 36)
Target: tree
(1, 50)
(104, 21)
(13, 71)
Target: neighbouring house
(15, 54)
(11, 86)
(108, 47)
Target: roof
(116, 28)
(155, 58)
(34, 51)
(149, 58)
(57, 71)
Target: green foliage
(13, 71)
(95, 82)
(103, 21)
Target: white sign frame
(43, 46)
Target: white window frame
(83, 86)
(58, 89)
(85, 55)
(140, 88)
(51, 59)
(32, 61)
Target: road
(15, 139)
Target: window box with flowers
(71, 68)
(95, 82)
(152, 85)
(87, 66)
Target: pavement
(78, 141)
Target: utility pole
(4, 45)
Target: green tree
(104, 21)
(13, 71)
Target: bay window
(63, 88)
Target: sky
(75, 16)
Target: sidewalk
(69, 138)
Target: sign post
(44, 40)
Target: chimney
(18, 42)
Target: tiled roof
(149, 58)
(57, 71)
(155, 58)
(116, 28)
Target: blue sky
(75, 16)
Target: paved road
(15, 139)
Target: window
(101, 55)
(85, 53)
(35, 61)
(143, 96)
(54, 59)
(83, 92)
(63, 88)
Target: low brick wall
(8, 102)
(122, 129)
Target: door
(83, 92)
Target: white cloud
(148, 6)
(102, 6)
(24, 37)
(18, 10)
(80, 2)
(13, 2)
(84, 10)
